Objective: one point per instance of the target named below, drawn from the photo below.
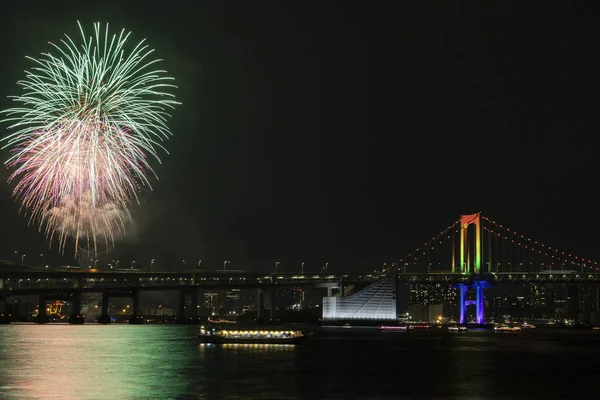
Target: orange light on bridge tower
(465, 246)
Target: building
(537, 296)
(210, 305)
(421, 294)
(375, 302)
(291, 299)
(233, 301)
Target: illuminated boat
(214, 335)
(393, 328)
(419, 327)
(525, 325)
(457, 329)
(507, 329)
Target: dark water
(165, 362)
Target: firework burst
(89, 119)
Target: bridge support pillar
(273, 303)
(194, 318)
(76, 317)
(104, 317)
(479, 303)
(136, 317)
(181, 319)
(5, 317)
(462, 304)
(42, 317)
(260, 306)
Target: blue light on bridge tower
(479, 302)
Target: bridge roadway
(25, 280)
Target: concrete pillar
(573, 302)
(42, 317)
(261, 305)
(587, 306)
(136, 316)
(550, 306)
(104, 317)
(194, 303)
(462, 306)
(193, 314)
(273, 302)
(76, 317)
(2, 298)
(181, 319)
(5, 316)
(136, 302)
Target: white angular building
(377, 302)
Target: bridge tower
(470, 257)
(470, 264)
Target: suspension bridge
(472, 254)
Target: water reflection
(77, 362)
(248, 347)
(166, 362)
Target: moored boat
(419, 327)
(241, 336)
(457, 329)
(392, 328)
(507, 329)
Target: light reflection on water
(248, 347)
(91, 361)
(166, 362)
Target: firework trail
(90, 118)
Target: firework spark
(89, 119)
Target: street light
(133, 264)
(302, 268)
(23, 259)
(152, 264)
(276, 265)
(199, 264)
(225, 265)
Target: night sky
(320, 133)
